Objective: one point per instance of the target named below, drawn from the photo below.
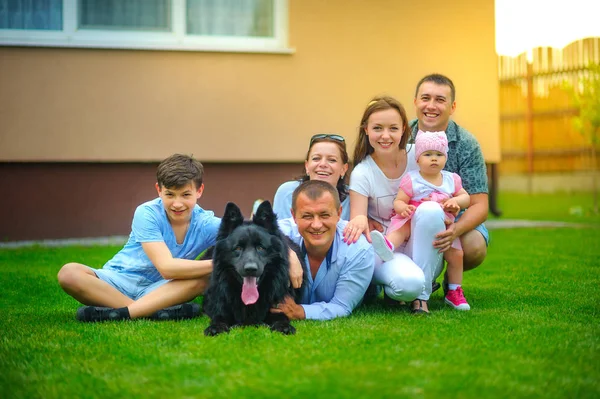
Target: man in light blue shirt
(338, 274)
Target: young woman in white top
(381, 159)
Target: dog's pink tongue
(249, 291)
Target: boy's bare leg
(474, 249)
(172, 293)
(82, 284)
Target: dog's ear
(266, 218)
(231, 219)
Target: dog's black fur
(254, 248)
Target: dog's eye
(260, 249)
(237, 249)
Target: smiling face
(384, 130)
(317, 220)
(179, 202)
(431, 162)
(434, 105)
(325, 163)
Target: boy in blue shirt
(155, 273)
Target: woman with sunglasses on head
(381, 159)
(327, 160)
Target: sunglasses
(320, 136)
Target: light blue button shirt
(342, 278)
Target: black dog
(250, 273)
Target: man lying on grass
(156, 273)
(339, 273)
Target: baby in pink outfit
(429, 183)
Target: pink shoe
(457, 300)
(383, 248)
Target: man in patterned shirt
(434, 103)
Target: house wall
(88, 112)
(66, 200)
(65, 104)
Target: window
(118, 15)
(210, 25)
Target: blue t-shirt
(150, 224)
(342, 278)
(282, 203)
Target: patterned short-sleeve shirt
(464, 157)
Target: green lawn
(575, 207)
(533, 332)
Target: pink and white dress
(417, 188)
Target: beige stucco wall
(124, 105)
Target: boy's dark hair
(179, 170)
(438, 79)
(314, 189)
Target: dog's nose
(251, 268)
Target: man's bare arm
(474, 215)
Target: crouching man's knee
(474, 248)
(474, 258)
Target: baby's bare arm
(401, 202)
(456, 203)
(463, 199)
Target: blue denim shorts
(131, 285)
(481, 228)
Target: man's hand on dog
(290, 308)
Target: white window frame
(177, 39)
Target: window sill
(152, 46)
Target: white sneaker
(382, 246)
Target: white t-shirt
(368, 180)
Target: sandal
(419, 309)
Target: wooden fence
(536, 111)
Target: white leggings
(403, 278)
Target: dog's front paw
(216, 329)
(283, 327)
